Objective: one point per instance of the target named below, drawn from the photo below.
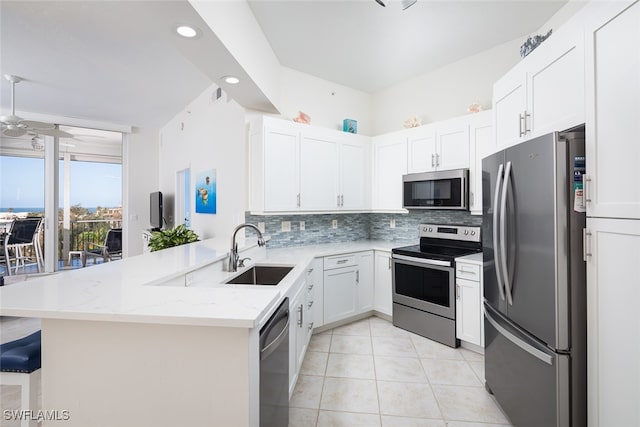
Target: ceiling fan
(14, 126)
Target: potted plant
(177, 236)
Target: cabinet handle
(300, 311)
(457, 291)
(586, 248)
(471, 197)
(587, 188)
(389, 263)
(310, 270)
(338, 202)
(310, 304)
(437, 159)
(357, 276)
(311, 326)
(310, 287)
(526, 127)
(433, 162)
(520, 119)
(342, 261)
(298, 200)
(342, 200)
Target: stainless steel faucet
(233, 253)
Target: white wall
(140, 166)
(206, 135)
(445, 92)
(327, 103)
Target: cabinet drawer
(339, 261)
(468, 271)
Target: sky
(92, 184)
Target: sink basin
(261, 275)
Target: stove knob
(430, 229)
(473, 233)
(466, 232)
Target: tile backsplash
(355, 226)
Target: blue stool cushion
(21, 355)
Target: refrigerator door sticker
(578, 190)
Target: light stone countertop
(149, 288)
(472, 259)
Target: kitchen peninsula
(127, 343)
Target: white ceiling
(120, 61)
(365, 46)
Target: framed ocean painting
(206, 192)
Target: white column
(66, 218)
(50, 203)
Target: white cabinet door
(340, 293)
(281, 182)
(318, 173)
(555, 84)
(452, 145)
(352, 176)
(509, 104)
(482, 144)
(613, 322)
(390, 164)
(365, 281)
(468, 311)
(421, 146)
(296, 307)
(383, 290)
(613, 113)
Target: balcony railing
(83, 234)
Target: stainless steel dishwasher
(274, 369)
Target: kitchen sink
(261, 275)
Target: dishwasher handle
(273, 345)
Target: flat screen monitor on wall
(155, 210)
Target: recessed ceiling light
(231, 80)
(187, 31)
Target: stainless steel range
(424, 300)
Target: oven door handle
(421, 260)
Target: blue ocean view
(35, 210)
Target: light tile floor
(367, 373)
(370, 373)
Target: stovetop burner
(444, 242)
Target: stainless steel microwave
(436, 190)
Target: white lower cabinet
(383, 286)
(301, 323)
(347, 285)
(469, 317)
(612, 251)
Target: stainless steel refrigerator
(535, 280)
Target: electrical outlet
(286, 226)
(334, 223)
(302, 226)
(261, 227)
(392, 223)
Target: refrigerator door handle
(538, 354)
(503, 233)
(496, 252)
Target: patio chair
(21, 245)
(112, 248)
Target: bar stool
(20, 363)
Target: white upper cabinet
(421, 148)
(613, 111)
(544, 92)
(509, 105)
(438, 146)
(297, 167)
(390, 163)
(353, 172)
(452, 144)
(482, 144)
(319, 173)
(280, 184)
